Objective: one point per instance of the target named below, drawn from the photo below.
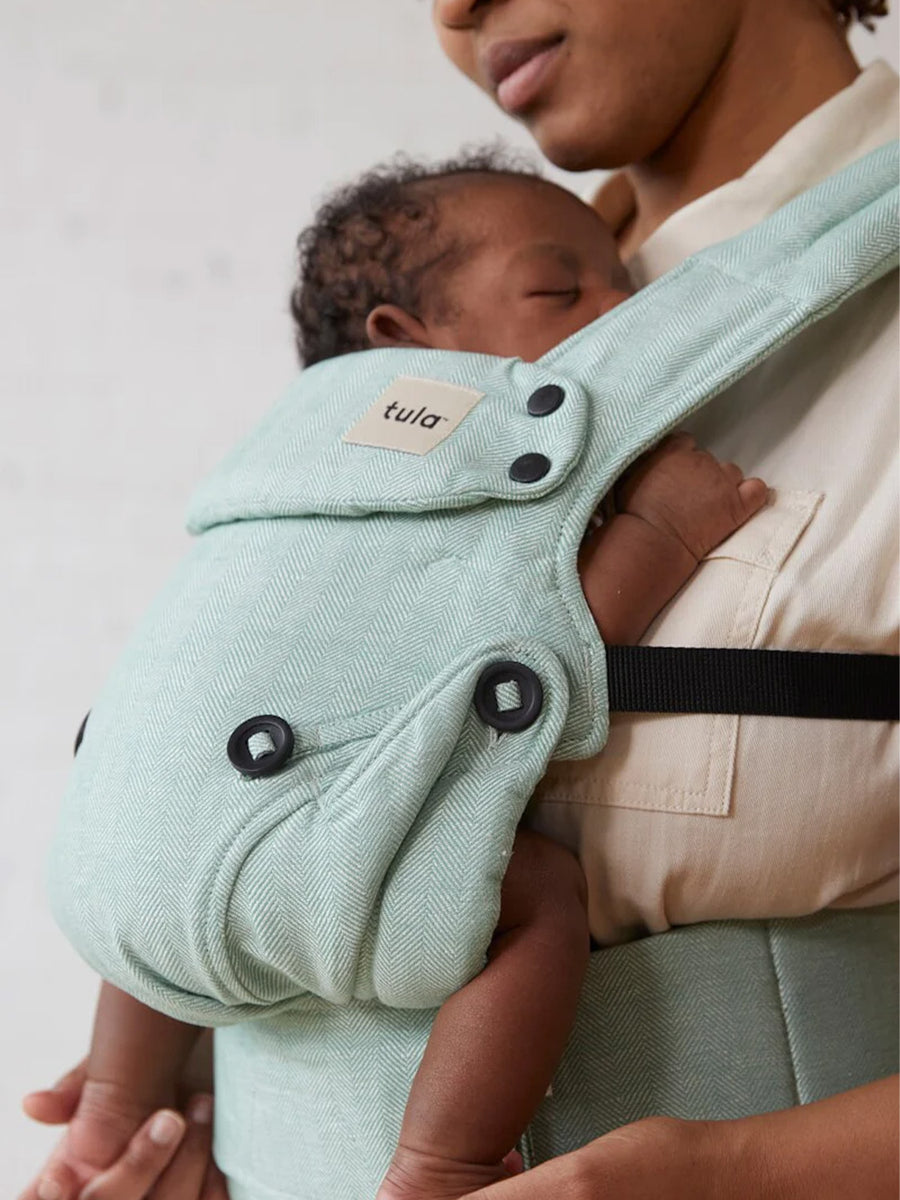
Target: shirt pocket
(685, 762)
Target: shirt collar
(858, 119)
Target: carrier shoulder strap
(844, 234)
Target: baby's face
(543, 266)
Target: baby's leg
(495, 1043)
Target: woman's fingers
(145, 1159)
(169, 1158)
(56, 1182)
(55, 1106)
(185, 1178)
(514, 1163)
(660, 1158)
(561, 1178)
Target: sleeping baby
(478, 257)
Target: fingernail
(200, 1109)
(165, 1128)
(49, 1189)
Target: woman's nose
(459, 14)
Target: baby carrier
(296, 797)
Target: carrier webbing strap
(776, 683)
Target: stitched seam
(789, 1041)
(578, 614)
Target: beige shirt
(690, 818)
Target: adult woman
(693, 96)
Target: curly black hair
(864, 11)
(377, 241)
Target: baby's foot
(415, 1175)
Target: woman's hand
(56, 1105)
(168, 1158)
(657, 1159)
(839, 1147)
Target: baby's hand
(685, 492)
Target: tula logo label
(413, 415)
(428, 420)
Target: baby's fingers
(679, 440)
(732, 472)
(145, 1158)
(753, 494)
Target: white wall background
(156, 162)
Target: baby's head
(473, 254)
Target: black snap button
(261, 745)
(508, 696)
(79, 736)
(545, 400)
(529, 468)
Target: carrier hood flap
(426, 430)
(399, 431)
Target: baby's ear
(388, 325)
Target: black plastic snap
(255, 761)
(545, 400)
(529, 468)
(79, 736)
(508, 696)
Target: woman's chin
(574, 148)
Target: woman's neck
(784, 61)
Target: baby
(479, 257)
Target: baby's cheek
(611, 299)
(541, 336)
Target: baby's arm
(673, 506)
(496, 1043)
(135, 1064)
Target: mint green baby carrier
(296, 797)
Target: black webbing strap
(777, 683)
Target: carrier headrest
(402, 431)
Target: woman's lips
(518, 70)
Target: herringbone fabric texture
(707, 1022)
(358, 593)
